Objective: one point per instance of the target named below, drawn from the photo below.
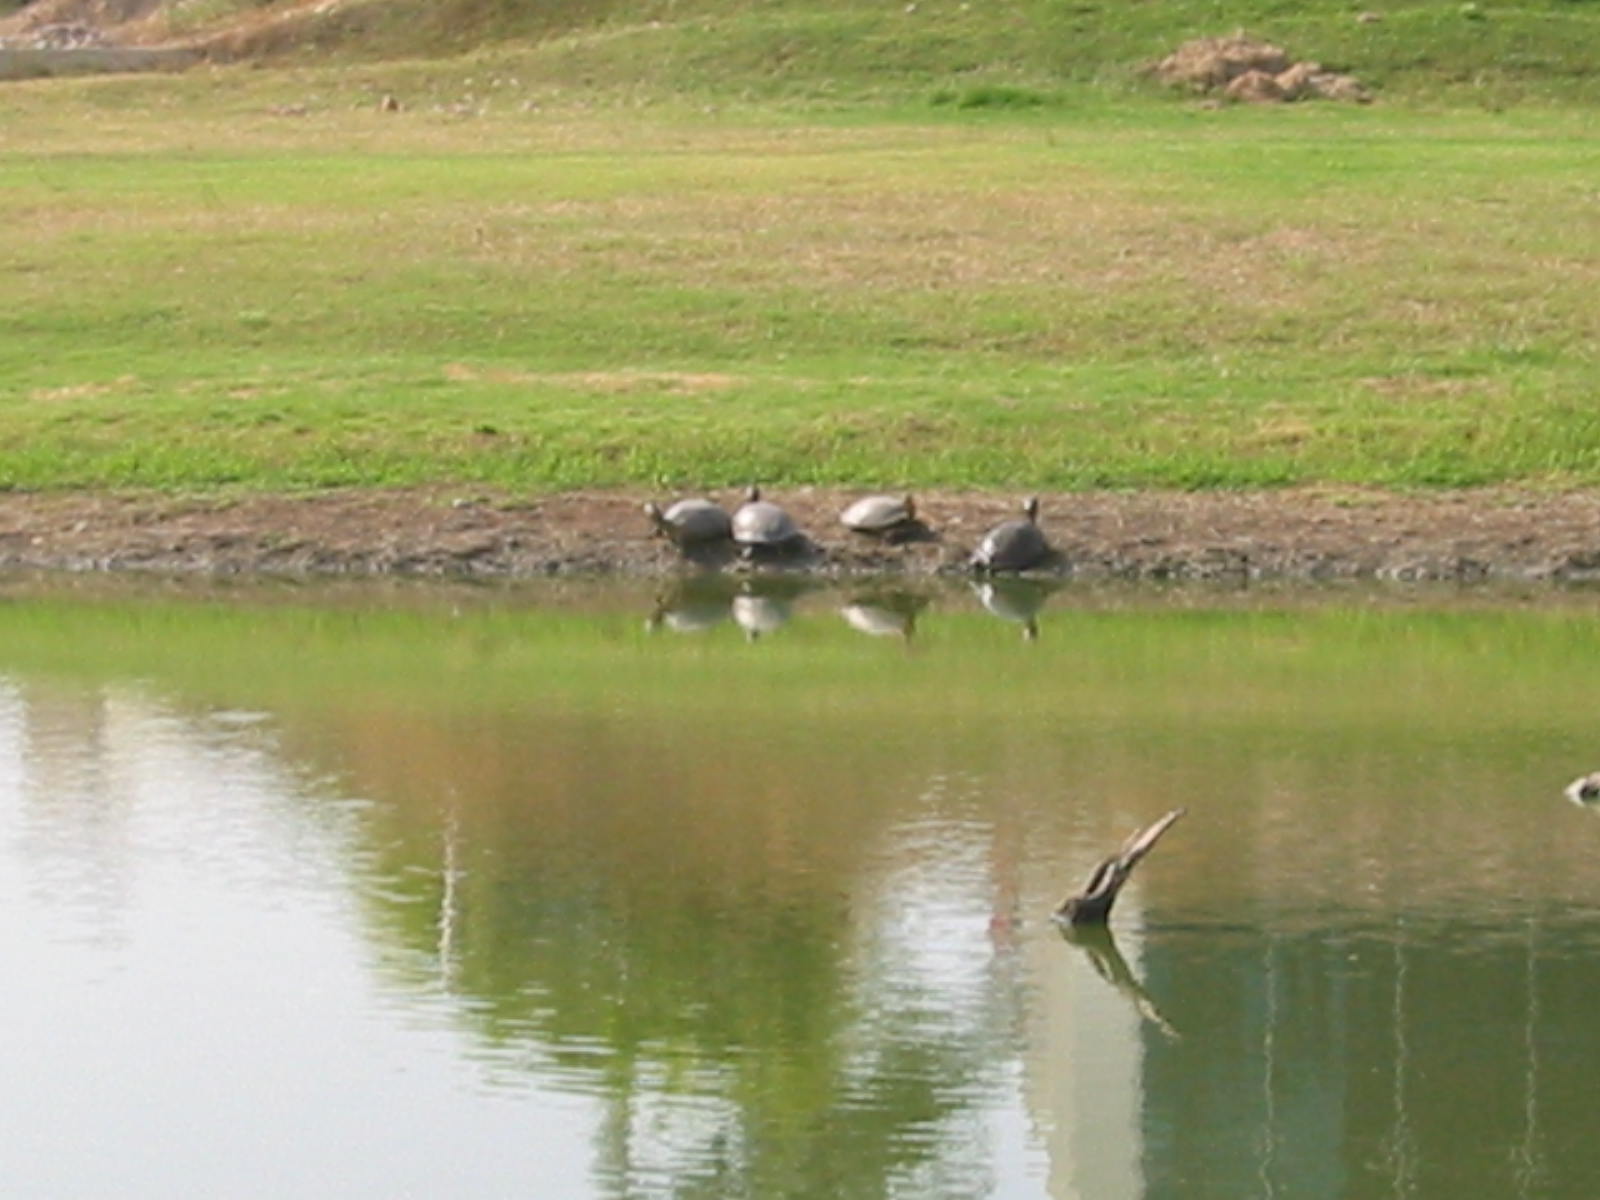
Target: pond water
(590, 891)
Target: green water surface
(701, 890)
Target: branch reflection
(1099, 946)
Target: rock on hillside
(71, 24)
(1238, 67)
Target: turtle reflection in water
(761, 527)
(1585, 790)
(1016, 600)
(886, 614)
(1014, 545)
(693, 605)
(764, 606)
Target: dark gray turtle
(759, 524)
(880, 516)
(690, 522)
(1013, 545)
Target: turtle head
(1030, 506)
(752, 493)
(658, 519)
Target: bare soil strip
(1295, 534)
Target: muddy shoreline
(1300, 534)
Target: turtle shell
(690, 521)
(762, 523)
(879, 514)
(1013, 545)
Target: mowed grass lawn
(1137, 293)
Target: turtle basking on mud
(761, 525)
(1013, 545)
(886, 517)
(690, 522)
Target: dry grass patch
(853, 241)
(81, 391)
(1423, 387)
(1078, 237)
(616, 382)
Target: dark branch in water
(1093, 905)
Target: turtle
(690, 522)
(1013, 545)
(880, 516)
(760, 524)
(1585, 789)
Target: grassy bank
(206, 286)
(1479, 53)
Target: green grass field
(953, 261)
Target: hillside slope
(1544, 51)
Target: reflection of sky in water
(186, 1009)
(197, 1009)
(937, 968)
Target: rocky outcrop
(67, 35)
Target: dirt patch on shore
(1292, 534)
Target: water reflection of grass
(1350, 715)
(1182, 659)
(647, 866)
